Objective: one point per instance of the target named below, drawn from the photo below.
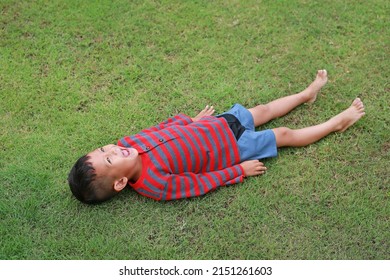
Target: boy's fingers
(261, 166)
(209, 110)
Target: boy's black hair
(84, 183)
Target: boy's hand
(253, 168)
(208, 111)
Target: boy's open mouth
(125, 152)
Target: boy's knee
(283, 136)
(266, 112)
(283, 131)
(262, 110)
(265, 109)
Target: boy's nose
(114, 151)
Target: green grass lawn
(75, 75)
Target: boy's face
(114, 162)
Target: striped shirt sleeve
(180, 119)
(189, 184)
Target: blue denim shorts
(253, 144)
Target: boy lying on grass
(186, 157)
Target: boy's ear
(120, 184)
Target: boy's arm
(191, 184)
(207, 111)
(182, 119)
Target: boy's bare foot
(351, 115)
(317, 84)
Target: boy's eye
(101, 149)
(109, 161)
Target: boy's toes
(323, 73)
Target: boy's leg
(279, 107)
(305, 136)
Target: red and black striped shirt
(181, 158)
